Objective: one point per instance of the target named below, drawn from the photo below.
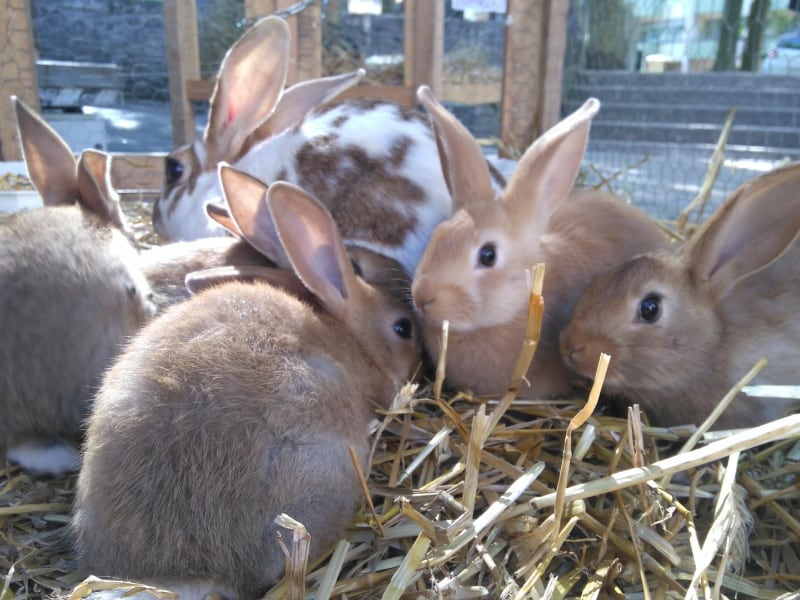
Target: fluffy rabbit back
(71, 293)
(374, 164)
(233, 407)
(684, 325)
(473, 272)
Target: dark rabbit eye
(650, 309)
(487, 255)
(173, 170)
(403, 328)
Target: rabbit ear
(751, 230)
(245, 196)
(96, 194)
(463, 164)
(547, 171)
(50, 162)
(222, 216)
(297, 100)
(250, 80)
(312, 242)
(280, 278)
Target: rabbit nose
(571, 354)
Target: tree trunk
(728, 36)
(756, 21)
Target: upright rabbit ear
(755, 226)
(250, 81)
(246, 196)
(547, 171)
(51, 164)
(299, 99)
(312, 242)
(96, 194)
(463, 164)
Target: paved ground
(660, 179)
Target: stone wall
(130, 33)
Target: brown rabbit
(71, 293)
(683, 325)
(235, 406)
(473, 271)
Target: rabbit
(684, 324)
(235, 406)
(71, 294)
(473, 271)
(374, 164)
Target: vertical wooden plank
(183, 62)
(17, 71)
(254, 9)
(520, 118)
(556, 46)
(424, 43)
(533, 70)
(309, 42)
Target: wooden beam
(533, 70)
(309, 42)
(424, 44)
(17, 71)
(183, 62)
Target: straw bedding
(506, 498)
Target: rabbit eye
(487, 255)
(173, 170)
(650, 309)
(403, 328)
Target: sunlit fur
(237, 405)
(71, 294)
(678, 368)
(487, 307)
(409, 211)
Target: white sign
(364, 7)
(498, 6)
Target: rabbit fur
(684, 324)
(473, 271)
(238, 405)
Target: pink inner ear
(231, 114)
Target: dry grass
(490, 498)
(506, 498)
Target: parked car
(784, 57)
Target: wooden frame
(531, 86)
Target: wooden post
(424, 43)
(17, 71)
(533, 70)
(183, 62)
(306, 29)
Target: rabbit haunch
(385, 190)
(684, 325)
(235, 406)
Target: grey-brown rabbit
(238, 405)
(71, 293)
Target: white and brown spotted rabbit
(374, 164)
(683, 325)
(473, 272)
(235, 406)
(71, 294)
